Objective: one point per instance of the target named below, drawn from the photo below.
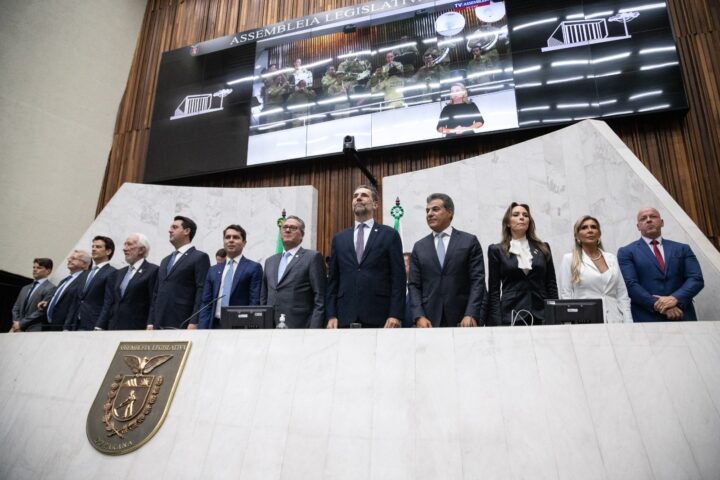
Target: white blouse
(609, 286)
(521, 249)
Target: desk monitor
(246, 317)
(586, 310)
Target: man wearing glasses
(294, 280)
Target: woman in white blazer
(590, 272)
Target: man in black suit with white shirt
(131, 289)
(181, 277)
(366, 285)
(91, 298)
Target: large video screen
(424, 72)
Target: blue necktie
(90, 278)
(441, 248)
(56, 297)
(283, 265)
(171, 262)
(126, 280)
(227, 283)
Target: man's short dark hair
(44, 262)
(221, 253)
(236, 228)
(373, 191)
(447, 201)
(109, 244)
(187, 223)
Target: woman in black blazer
(521, 267)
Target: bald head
(649, 222)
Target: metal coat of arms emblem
(135, 396)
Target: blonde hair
(577, 251)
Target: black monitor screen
(247, 317)
(558, 312)
(427, 72)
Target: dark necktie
(27, 299)
(658, 255)
(360, 242)
(90, 278)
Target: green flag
(279, 248)
(397, 213)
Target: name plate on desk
(135, 395)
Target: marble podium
(635, 401)
(581, 169)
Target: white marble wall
(150, 209)
(582, 169)
(635, 401)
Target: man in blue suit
(366, 284)
(237, 281)
(180, 279)
(662, 276)
(90, 299)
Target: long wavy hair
(530, 234)
(577, 250)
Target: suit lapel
(452, 246)
(135, 278)
(242, 265)
(646, 251)
(181, 258)
(668, 249)
(375, 232)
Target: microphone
(187, 320)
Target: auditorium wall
(63, 69)
(681, 150)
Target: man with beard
(131, 291)
(367, 274)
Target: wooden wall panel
(683, 152)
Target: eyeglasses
(290, 228)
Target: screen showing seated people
(418, 72)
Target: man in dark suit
(181, 276)
(294, 280)
(662, 276)
(131, 289)
(63, 300)
(366, 285)
(90, 298)
(447, 273)
(235, 282)
(26, 316)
